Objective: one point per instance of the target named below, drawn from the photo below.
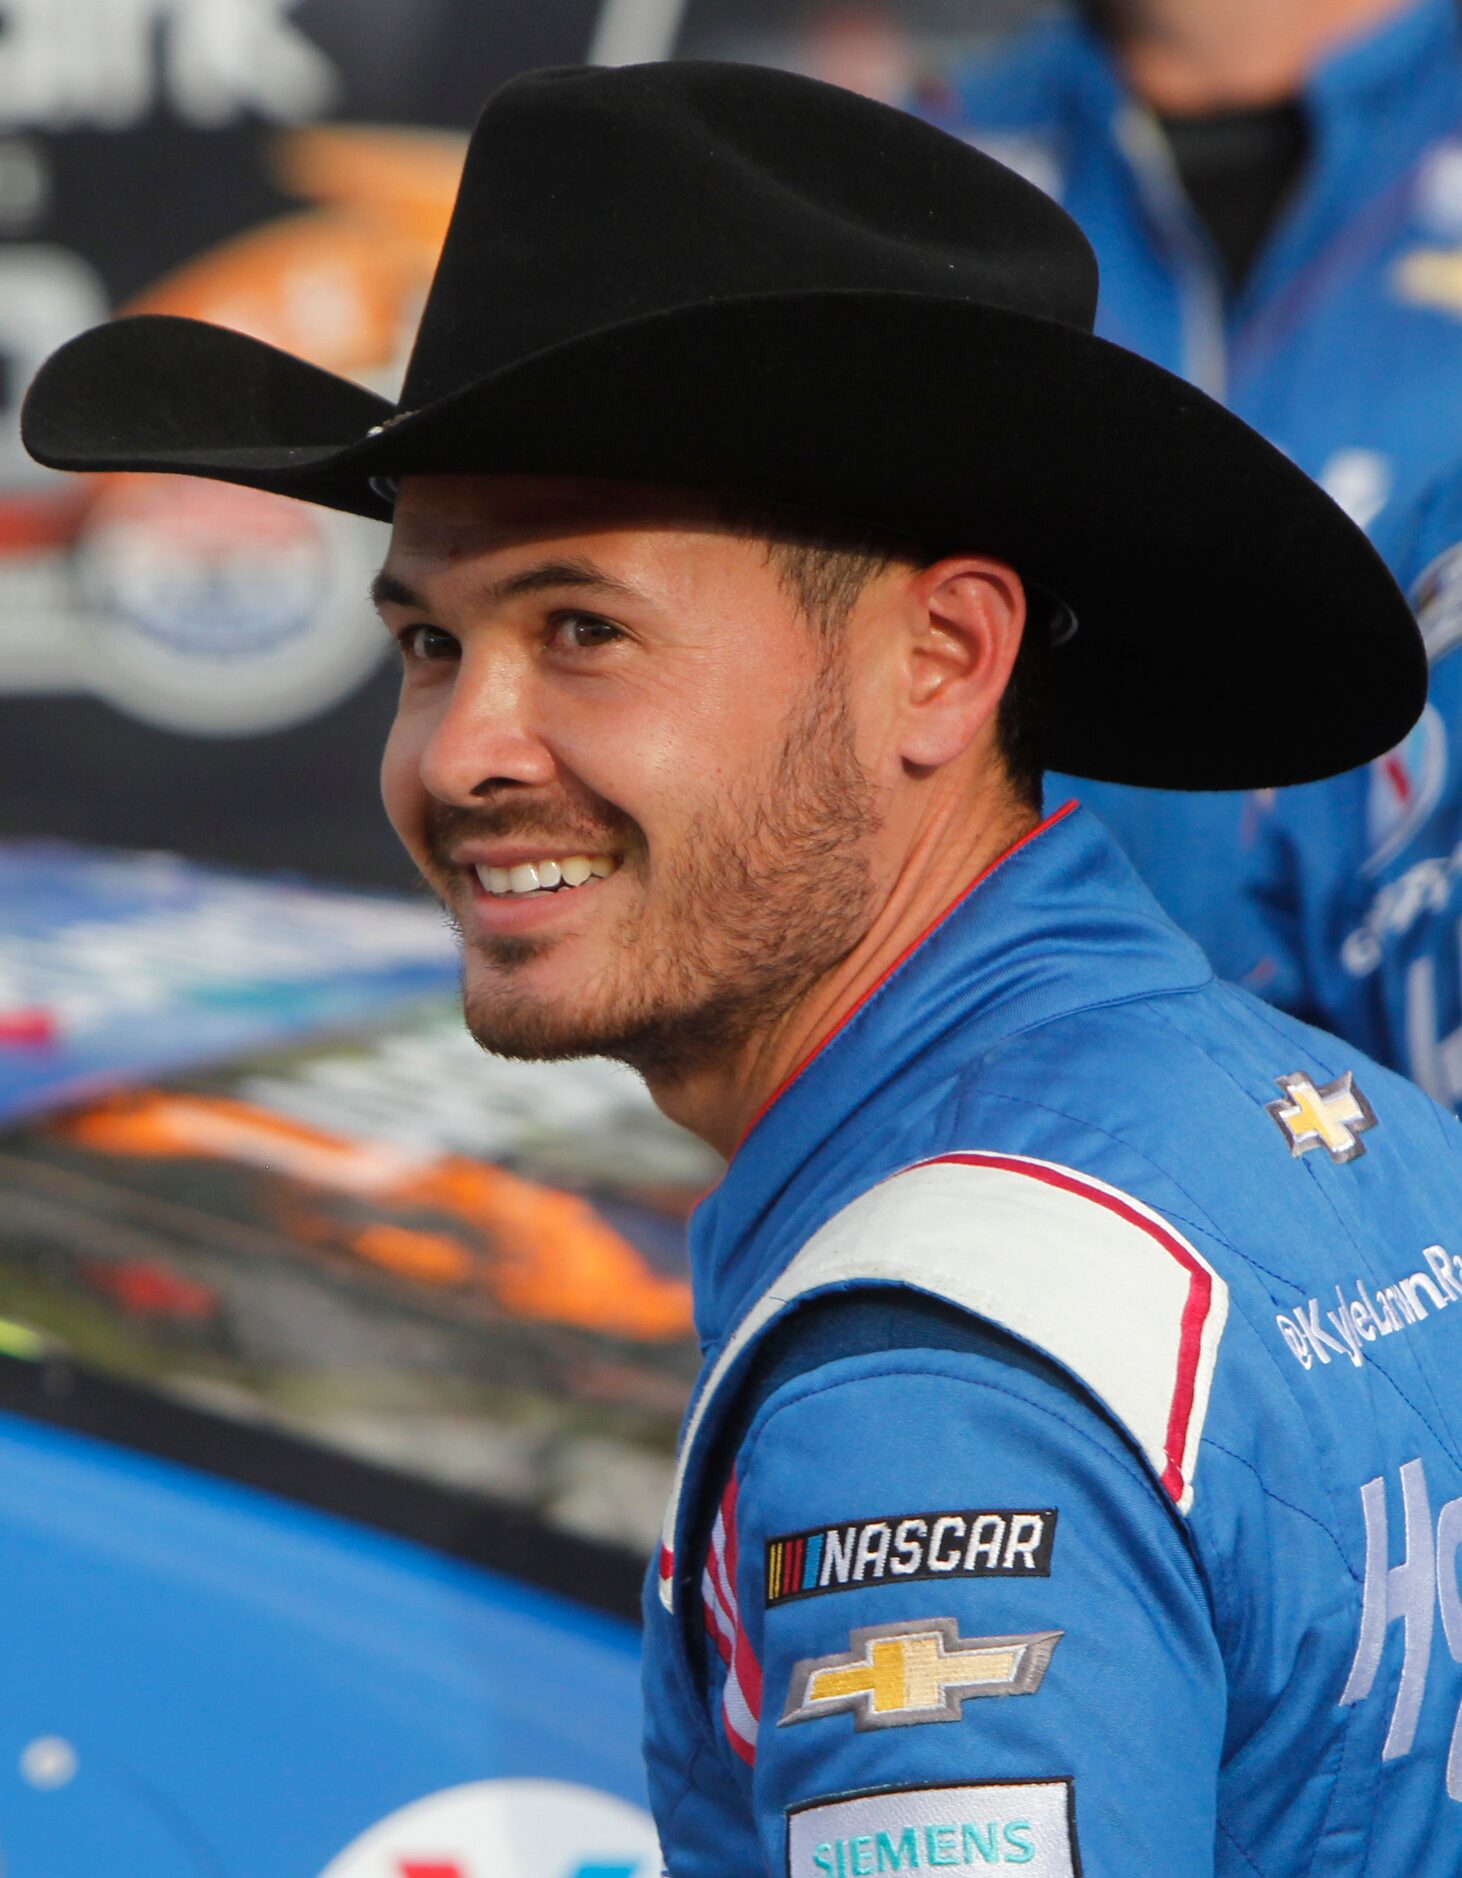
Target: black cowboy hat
(728, 278)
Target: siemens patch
(996, 1542)
(1030, 1823)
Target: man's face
(605, 691)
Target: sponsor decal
(1361, 1319)
(506, 1829)
(1333, 1117)
(899, 1675)
(996, 1542)
(1405, 786)
(1408, 1593)
(1030, 1823)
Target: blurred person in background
(861, 47)
(1353, 887)
(1274, 192)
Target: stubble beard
(762, 899)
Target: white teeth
(546, 876)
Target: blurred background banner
(285, 167)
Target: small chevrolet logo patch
(1332, 1118)
(898, 1674)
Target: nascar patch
(989, 1542)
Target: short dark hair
(824, 567)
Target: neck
(720, 1103)
(1189, 57)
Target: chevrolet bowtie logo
(1332, 1118)
(899, 1674)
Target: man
(1274, 193)
(763, 509)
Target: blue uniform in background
(1120, 1533)
(1344, 345)
(1355, 884)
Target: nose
(484, 738)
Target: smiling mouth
(557, 874)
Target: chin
(532, 1035)
(531, 1023)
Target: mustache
(450, 826)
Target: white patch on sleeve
(1029, 1823)
(1081, 1270)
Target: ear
(966, 616)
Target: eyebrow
(387, 590)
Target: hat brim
(1234, 628)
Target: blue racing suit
(1075, 1478)
(1355, 884)
(1344, 345)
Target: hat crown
(592, 197)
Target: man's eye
(582, 632)
(422, 643)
